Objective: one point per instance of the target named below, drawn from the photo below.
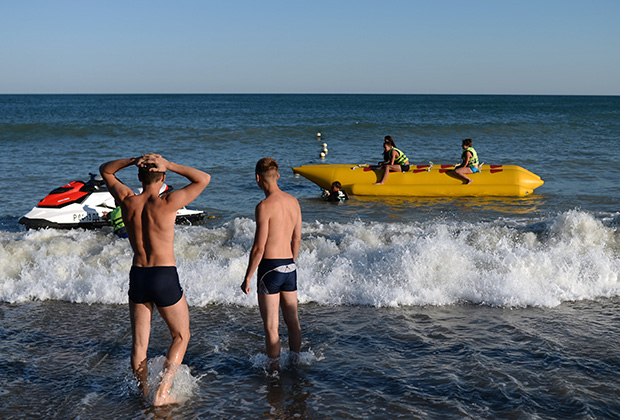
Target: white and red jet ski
(85, 205)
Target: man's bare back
(150, 220)
(280, 211)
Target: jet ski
(80, 204)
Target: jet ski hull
(86, 205)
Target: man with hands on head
(153, 279)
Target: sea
(411, 308)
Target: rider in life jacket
(394, 160)
(116, 218)
(469, 162)
(336, 194)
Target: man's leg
(140, 315)
(288, 303)
(177, 319)
(270, 312)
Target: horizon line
(310, 93)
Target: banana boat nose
(529, 180)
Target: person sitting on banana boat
(469, 162)
(394, 160)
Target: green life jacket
(473, 160)
(116, 218)
(400, 160)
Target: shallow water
(459, 361)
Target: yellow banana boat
(424, 180)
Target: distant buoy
(322, 155)
(325, 150)
(324, 144)
(318, 134)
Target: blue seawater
(410, 307)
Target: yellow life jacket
(473, 160)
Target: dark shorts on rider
(277, 275)
(404, 168)
(159, 285)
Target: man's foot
(294, 358)
(274, 365)
(141, 375)
(469, 182)
(164, 399)
(378, 183)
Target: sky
(548, 47)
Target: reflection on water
(513, 205)
(403, 209)
(287, 394)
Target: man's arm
(118, 190)
(258, 248)
(296, 239)
(181, 197)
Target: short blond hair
(267, 167)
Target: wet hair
(147, 176)
(388, 140)
(467, 142)
(337, 185)
(267, 168)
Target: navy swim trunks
(159, 285)
(277, 275)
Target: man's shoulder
(286, 197)
(279, 199)
(130, 199)
(289, 196)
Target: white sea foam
(287, 359)
(572, 256)
(183, 386)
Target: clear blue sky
(314, 46)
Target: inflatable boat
(80, 204)
(424, 180)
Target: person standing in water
(469, 162)
(337, 194)
(394, 160)
(276, 244)
(153, 279)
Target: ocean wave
(571, 256)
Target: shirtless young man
(153, 279)
(276, 245)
